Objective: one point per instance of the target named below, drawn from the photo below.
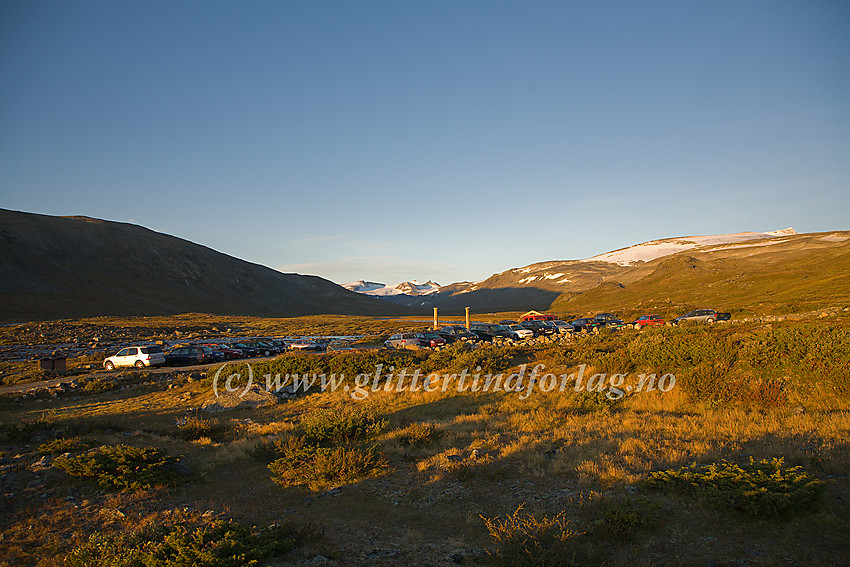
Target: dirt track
(25, 386)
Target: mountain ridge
(558, 283)
(77, 266)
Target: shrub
(594, 400)
(623, 518)
(766, 393)
(419, 434)
(193, 428)
(122, 466)
(217, 544)
(343, 425)
(708, 382)
(318, 467)
(524, 540)
(99, 385)
(62, 445)
(266, 450)
(462, 355)
(765, 488)
(22, 432)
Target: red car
(229, 353)
(648, 321)
(431, 339)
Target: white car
(138, 356)
(306, 344)
(404, 340)
(518, 332)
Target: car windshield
(499, 327)
(517, 328)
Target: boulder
(254, 397)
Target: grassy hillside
(788, 278)
(766, 274)
(64, 267)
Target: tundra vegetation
(744, 461)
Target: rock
(454, 458)
(181, 467)
(798, 410)
(380, 553)
(42, 464)
(254, 397)
(331, 492)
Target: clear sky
(447, 140)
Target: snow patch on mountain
(411, 287)
(657, 248)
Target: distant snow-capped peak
(410, 287)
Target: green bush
(623, 518)
(709, 382)
(815, 351)
(593, 400)
(218, 544)
(522, 540)
(340, 425)
(267, 450)
(766, 488)
(22, 432)
(193, 428)
(318, 467)
(122, 466)
(462, 355)
(419, 434)
(99, 385)
(64, 445)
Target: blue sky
(415, 140)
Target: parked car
(245, 349)
(307, 344)
(280, 344)
(138, 356)
(563, 326)
(229, 352)
(539, 327)
(549, 324)
(585, 325)
(431, 339)
(488, 331)
(609, 320)
(648, 321)
(500, 330)
(404, 340)
(454, 333)
(189, 355)
(508, 322)
(702, 316)
(216, 355)
(265, 349)
(518, 332)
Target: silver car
(138, 356)
(404, 340)
(702, 316)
